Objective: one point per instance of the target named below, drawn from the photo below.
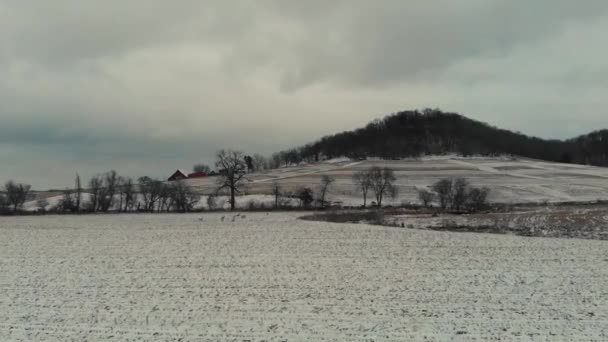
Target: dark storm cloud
(147, 86)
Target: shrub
(478, 198)
(460, 193)
(457, 194)
(426, 197)
(443, 188)
(305, 195)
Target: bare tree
(457, 194)
(119, 192)
(478, 198)
(67, 202)
(121, 198)
(426, 197)
(127, 194)
(260, 163)
(183, 198)
(78, 194)
(326, 182)
(232, 168)
(108, 190)
(305, 195)
(95, 185)
(443, 188)
(276, 192)
(275, 161)
(150, 190)
(363, 183)
(249, 162)
(165, 197)
(460, 192)
(382, 183)
(16, 194)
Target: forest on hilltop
(410, 134)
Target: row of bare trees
(174, 196)
(253, 163)
(107, 191)
(380, 181)
(233, 169)
(111, 192)
(455, 194)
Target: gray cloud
(147, 86)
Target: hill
(433, 132)
(511, 180)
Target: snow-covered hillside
(510, 180)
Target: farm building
(198, 174)
(178, 175)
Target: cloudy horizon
(146, 87)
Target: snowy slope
(511, 180)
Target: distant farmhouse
(179, 175)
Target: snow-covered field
(510, 180)
(255, 277)
(588, 222)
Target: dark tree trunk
(232, 204)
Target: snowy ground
(272, 277)
(585, 222)
(511, 180)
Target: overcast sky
(147, 86)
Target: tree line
(111, 192)
(410, 134)
(252, 163)
(107, 192)
(455, 194)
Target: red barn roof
(199, 174)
